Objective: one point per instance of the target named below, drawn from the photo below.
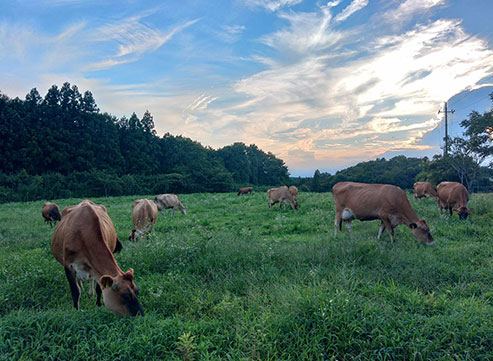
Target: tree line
(61, 145)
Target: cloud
(272, 5)
(355, 6)
(134, 38)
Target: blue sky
(321, 84)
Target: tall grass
(235, 280)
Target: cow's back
(80, 226)
(144, 211)
(368, 201)
(452, 193)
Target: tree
(316, 181)
(469, 152)
(148, 123)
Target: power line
(445, 150)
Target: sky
(321, 84)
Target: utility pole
(445, 150)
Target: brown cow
(281, 195)
(245, 190)
(51, 213)
(294, 192)
(454, 197)
(368, 202)
(166, 201)
(424, 189)
(82, 243)
(144, 217)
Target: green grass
(234, 280)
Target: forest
(63, 146)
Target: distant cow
(166, 201)
(424, 189)
(245, 190)
(144, 218)
(51, 213)
(294, 192)
(454, 197)
(368, 202)
(82, 243)
(281, 195)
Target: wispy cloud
(355, 6)
(134, 38)
(272, 5)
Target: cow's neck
(409, 216)
(103, 262)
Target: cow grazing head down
(463, 212)
(422, 232)
(120, 294)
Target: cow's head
(120, 294)
(183, 210)
(422, 232)
(463, 212)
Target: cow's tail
(119, 246)
(55, 214)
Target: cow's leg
(380, 230)
(389, 228)
(450, 210)
(173, 213)
(162, 212)
(98, 295)
(337, 222)
(74, 287)
(91, 288)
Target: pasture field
(234, 280)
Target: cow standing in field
(51, 213)
(424, 189)
(454, 197)
(166, 201)
(245, 190)
(386, 202)
(281, 195)
(82, 243)
(294, 192)
(144, 217)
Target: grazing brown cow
(424, 189)
(51, 213)
(454, 197)
(281, 195)
(166, 201)
(144, 217)
(294, 192)
(386, 202)
(245, 190)
(82, 243)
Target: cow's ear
(106, 281)
(129, 275)
(413, 226)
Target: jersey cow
(385, 202)
(82, 243)
(281, 195)
(454, 197)
(245, 190)
(424, 189)
(167, 201)
(144, 218)
(294, 192)
(51, 213)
